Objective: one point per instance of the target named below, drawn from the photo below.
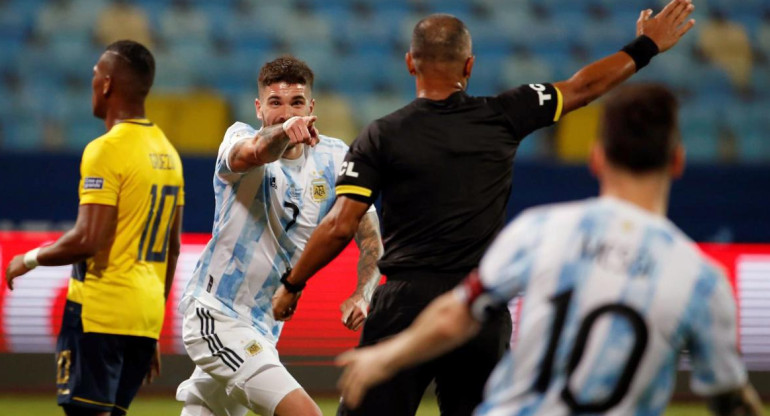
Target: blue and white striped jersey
(263, 219)
(612, 294)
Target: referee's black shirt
(444, 171)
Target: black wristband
(291, 287)
(641, 50)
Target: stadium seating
(356, 48)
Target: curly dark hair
(285, 69)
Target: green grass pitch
(40, 405)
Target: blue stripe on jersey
(657, 395)
(528, 409)
(202, 267)
(592, 225)
(229, 203)
(291, 188)
(697, 317)
(655, 398)
(638, 293)
(219, 189)
(230, 281)
(264, 303)
(329, 175)
(499, 381)
(518, 268)
(261, 314)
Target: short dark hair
(286, 69)
(441, 38)
(639, 128)
(139, 62)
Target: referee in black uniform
(443, 165)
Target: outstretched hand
(668, 26)
(284, 303)
(363, 368)
(300, 129)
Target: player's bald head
(132, 66)
(441, 38)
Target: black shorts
(460, 375)
(99, 371)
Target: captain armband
(483, 305)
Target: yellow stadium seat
(194, 122)
(576, 132)
(335, 117)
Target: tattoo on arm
(370, 246)
(267, 146)
(271, 143)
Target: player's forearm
(444, 325)
(328, 240)
(70, 248)
(170, 272)
(370, 250)
(368, 274)
(94, 230)
(594, 80)
(174, 247)
(266, 146)
(326, 243)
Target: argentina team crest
(320, 190)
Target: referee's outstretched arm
(327, 241)
(654, 35)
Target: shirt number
(159, 222)
(640, 331)
(294, 214)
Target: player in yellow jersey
(124, 245)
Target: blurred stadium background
(208, 53)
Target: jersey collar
(138, 121)
(454, 99)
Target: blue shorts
(99, 371)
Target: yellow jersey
(136, 169)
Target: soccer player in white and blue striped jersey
(612, 293)
(272, 187)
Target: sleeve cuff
(559, 105)
(98, 199)
(353, 190)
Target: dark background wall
(728, 203)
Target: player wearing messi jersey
(613, 292)
(272, 188)
(124, 245)
(443, 167)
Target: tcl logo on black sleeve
(540, 88)
(347, 170)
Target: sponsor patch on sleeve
(93, 183)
